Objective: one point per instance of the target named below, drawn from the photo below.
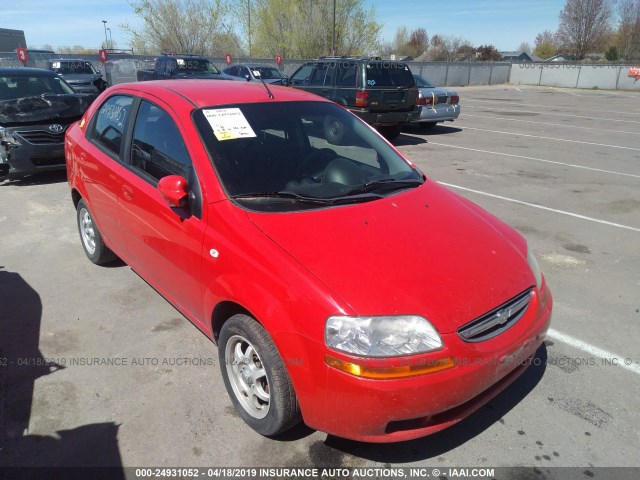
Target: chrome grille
(42, 137)
(496, 321)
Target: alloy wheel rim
(87, 231)
(247, 376)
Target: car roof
(68, 60)
(204, 93)
(26, 72)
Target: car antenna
(265, 85)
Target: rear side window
(158, 148)
(386, 74)
(347, 76)
(111, 122)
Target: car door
(101, 165)
(164, 243)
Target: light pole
(249, 30)
(110, 38)
(333, 37)
(104, 22)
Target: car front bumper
(24, 158)
(382, 411)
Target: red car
(343, 287)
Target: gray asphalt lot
(561, 166)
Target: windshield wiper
(282, 196)
(387, 185)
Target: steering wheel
(314, 164)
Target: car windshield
(196, 65)
(14, 87)
(73, 68)
(267, 73)
(388, 74)
(287, 156)
(422, 82)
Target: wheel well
(76, 197)
(223, 312)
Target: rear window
(388, 74)
(73, 68)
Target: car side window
(111, 122)
(158, 149)
(346, 76)
(317, 78)
(301, 77)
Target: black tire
(390, 133)
(427, 125)
(90, 238)
(280, 411)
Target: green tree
(545, 50)
(185, 26)
(304, 28)
(612, 54)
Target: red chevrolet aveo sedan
(344, 288)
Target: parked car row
(383, 93)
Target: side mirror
(98, 72)
(174, 189)
(247, 77)
(285, 82)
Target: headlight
(6, 136)
(386, 336)
(535, 268)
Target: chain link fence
(122, 68)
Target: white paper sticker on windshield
(228, 124)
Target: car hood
(425, 251)
(43, 108)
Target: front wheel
(256, 378)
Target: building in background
(11, 39)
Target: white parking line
(552, 124)
(550, 138)
(618, 360)
(541, 207)
(591, 109)
(536, 159)
(564, 91)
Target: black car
(80, 74)
(36, 107)
(383, 93)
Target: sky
(503, 23)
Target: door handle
(127, 192)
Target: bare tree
(584, 25)
(546, 37)
(629, 29)
(446, 47)
(186, 26)
(525, 47)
